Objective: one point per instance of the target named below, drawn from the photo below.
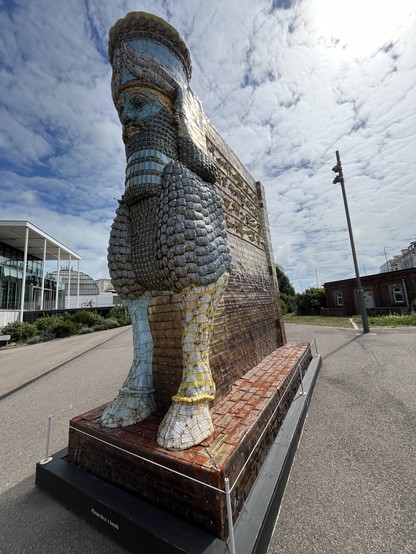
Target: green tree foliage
(310, 301)
(287, 292)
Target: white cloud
(285, 87)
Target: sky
(287, 83)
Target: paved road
(19, 366)
(90, 379)
(351, 488)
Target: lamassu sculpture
(169, 230)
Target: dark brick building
(393, 291)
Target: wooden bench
(5, 338)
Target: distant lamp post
(340, 179)
(387, 262)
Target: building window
(339, 301)
(397, 294)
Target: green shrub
(99, 327)
(55, 326)
(85, 330)
(65, 329)
(110, 323)
(46, 322)
(35, 340)
(46, 325)
(65, 316)
(87, 318)
(120, 314)
(19, 330)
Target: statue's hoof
(127, 409)
(184, 426)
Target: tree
(287, 292)
(310, 301)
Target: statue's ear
(178, 100)
(178, 108)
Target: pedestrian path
(25, 364)
(351, 487)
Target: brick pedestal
(246, 422)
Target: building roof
(86, 284)
(383, 276)
(13, 233)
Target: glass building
(78, 283)
(24, 285)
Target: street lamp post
(340, 179)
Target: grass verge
(334, 321)
(388, 320)
(324, 321)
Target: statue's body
(169, 230)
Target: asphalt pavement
(352, 484)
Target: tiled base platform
(239, 420)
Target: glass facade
(87, 285)
(11, 276)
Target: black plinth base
(141, 527)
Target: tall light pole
(387, 262)
(340, 179)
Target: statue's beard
(159, 132)
(156, 132)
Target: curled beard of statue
(169, 230)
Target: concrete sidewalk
(69, 379)
(21, 365)
(352, 484)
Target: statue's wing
(196, 160)
(120, 264)
(191, 237)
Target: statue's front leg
(188, 421)
(135, 399)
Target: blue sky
(286, 82)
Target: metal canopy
(13, 234)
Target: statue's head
(151, 67)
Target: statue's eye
(138, 102)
